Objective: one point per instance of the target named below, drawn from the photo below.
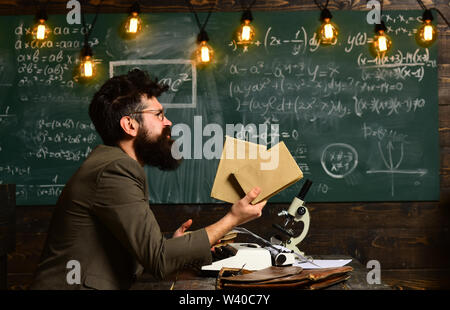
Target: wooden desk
(193, 280)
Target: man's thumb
(252, 194)
(187, 224)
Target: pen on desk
(240, 270)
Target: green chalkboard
(361, 128)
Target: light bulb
(87, 65)
(426, 35)
(328, 31)
(133, 24)
(204, 53)
(246, 32)
(382, 43)
(428, 32)
(40, 30)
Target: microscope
(275, 252)
(297, 212)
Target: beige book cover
(244, 165)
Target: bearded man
(102, 221)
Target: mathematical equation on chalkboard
(347, 117)
(303, 40)
(290, 89)
(51, 62)
(288, 81)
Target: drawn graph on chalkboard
(179, 74)
(392, 167)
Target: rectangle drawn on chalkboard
(172, 82)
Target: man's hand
(180, 231)
(244, 211)
(241, 212)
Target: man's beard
(156, 153)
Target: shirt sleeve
(121, 205)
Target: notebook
(244, 165)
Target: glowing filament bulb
(247, 33)
(87, 67)
(41, 30)
(246, 30)
(428, 33)
(382, 43)
(40, 33)
(328, 31)
(204, 51)
(133, 24)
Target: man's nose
(167, 122)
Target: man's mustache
(167, 132)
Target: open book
(244, 165)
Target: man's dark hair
(118, 97)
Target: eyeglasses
(160, 113)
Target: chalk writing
(42, 190)
(15, 170)
(339, 159)
(348, 118)
(62, 154)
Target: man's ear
(129, 125)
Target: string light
(427, 33)
(328, 31)
(204, 52)
(246, 33)
(382, 43)
(87, 67)
(41, 30)
(133, 23)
